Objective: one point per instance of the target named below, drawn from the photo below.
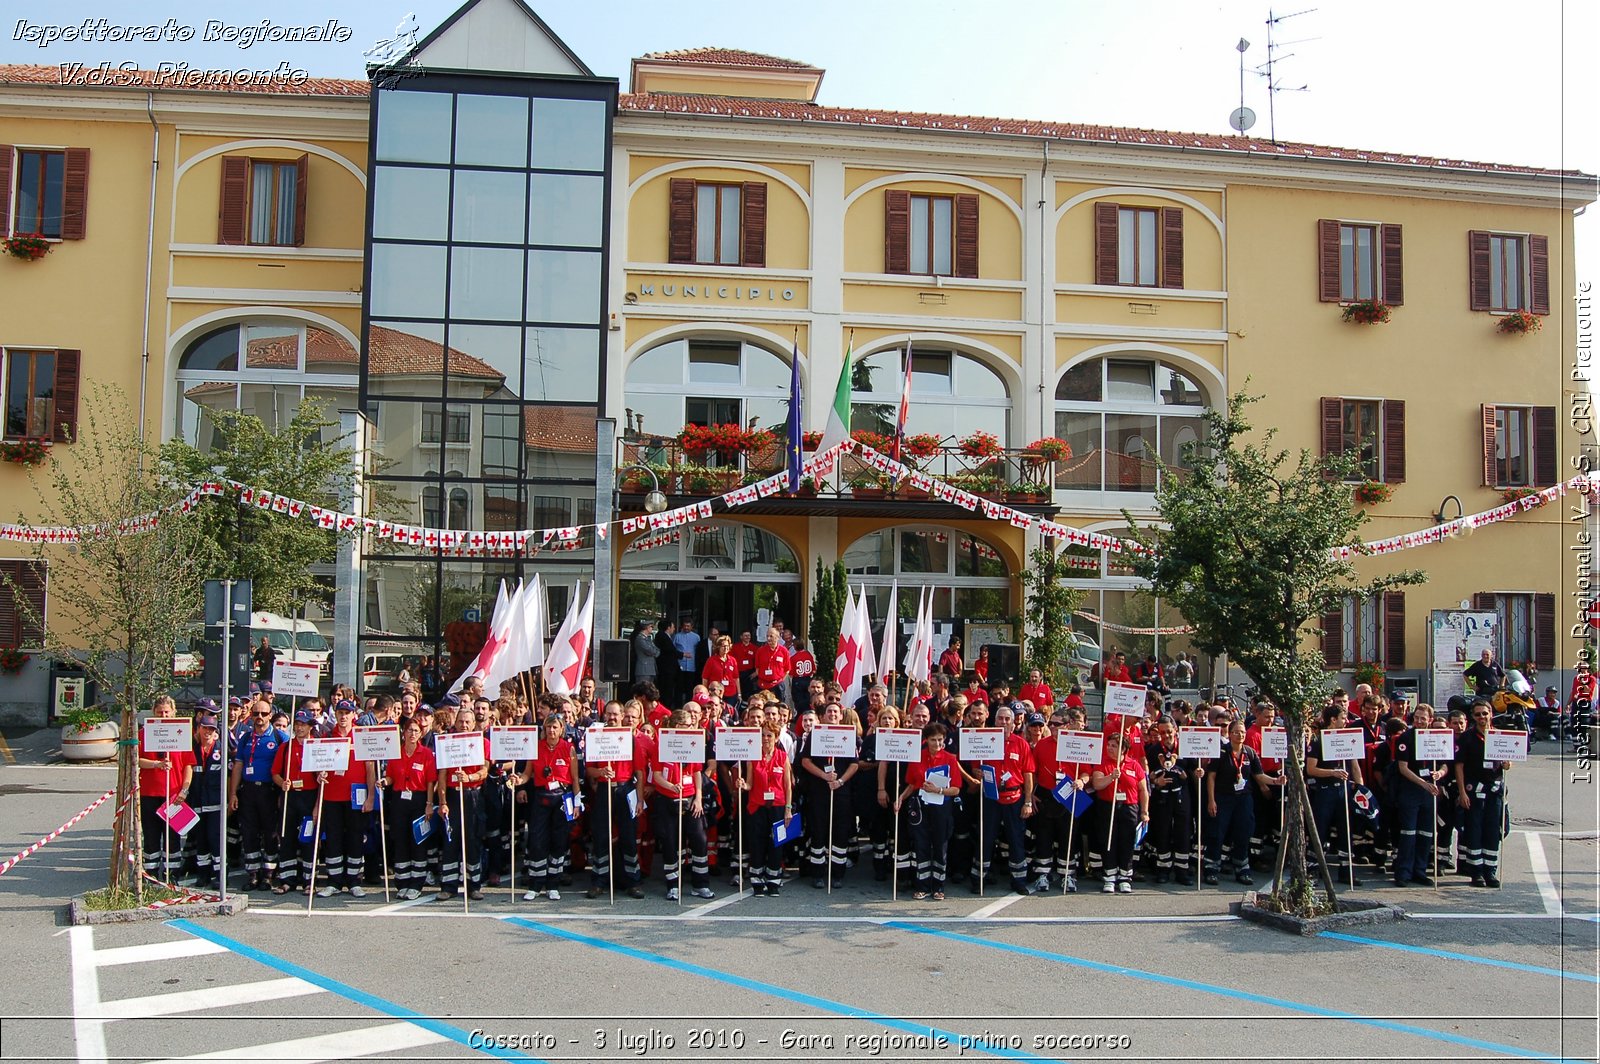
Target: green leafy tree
(301, 460)
(827, 613)
(1047, 637)
(121, 596)
(1247, 555)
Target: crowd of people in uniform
(1142, 812)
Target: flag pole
(288, 769)
(832, 766)
(894, 857)
(461, 798)
(1349, 842)
(1116, 780)
(742, 860)
(678, 857)
(511, 801)
(316, 837)
(1199, 846)
(1072, 822)
(383, 838)
(611, 866)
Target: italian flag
(838, 427)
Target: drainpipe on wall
(149, 262)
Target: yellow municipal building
(517, 285)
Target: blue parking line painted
(350, 993)
(798, 997)
(1469, 957)
(1232, 992)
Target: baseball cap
(205, 720)
(235, 700)
(450, 700)
(304, 716)
(1036, 718)
(205, 705)
(344, 705)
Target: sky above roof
(1472, 80)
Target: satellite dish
(1242, 118)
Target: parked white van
(291, 639)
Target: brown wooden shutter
(966, 236)
(1483, 601)
(1333, 639)
(1539, 274)
(1328, 260)
(75, 195)
(1394, 286)
(300, 167)
(10, 612)
(1488, 447)
(66, 395)
(680, 220)
(1544, 630)
(896, 231)
(1544, 446)
(232, 208)
(1477, 270)
(753, 205)
(1172, 247)
(1105, 243)
(22, 582)
(1394, 629)
(1332, 426)
(1394, 441)
(7, 153)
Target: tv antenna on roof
(1242, 118)
(1269, 69)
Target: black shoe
(773, 891)
(1212, 879)
(1477, 881)
(1184, 877)
(973, 886)
(818, 883)
(759, 890)
(592, 893)
(1245, 877)
(475, 894)
(1019, 887)
(636, 891)
(1400, 882)
(1491, 881)
(1423, 881)
(1163, 875)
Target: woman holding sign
(163, 777)
(768, 802)
(464, 814)
(550, 780)
(677, 784)
(1480, 792)
(300, 801)
(615, 806)
(1415, 788)
(347, 800)
(1229, 804)
(931, 785)
(827, 778)
(410, 784)
(1120, 783)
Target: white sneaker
(672, 893)
(532, 895)
(358, 891)
(1042, 885)
(327, 892)
(1125, 887)
(410, 894)
(703, 892)
(1109, 887)
(554, 895)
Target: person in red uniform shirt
(932, 785)
(802, 665)
(299, 789)
(163, 777)
(772, 664)
(460, 803)
(981, 666)
(1267, 796)
(744, 652)
(950, 661)
(410, 780)
(975, 692)
(672, 784)
(1038, 692)
(544, 784)
(1049, 822)
(616, 782)
(343, 823)
(768, 792)
(1013, 776)
(722, 665)
(1115, 670)
(1131, 728)
(1123, 790)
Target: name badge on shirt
(1239, 783)
(405, 795)
(417, 765)
(770, 796)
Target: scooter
(1514, 706)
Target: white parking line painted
(211, 997)
(426, 899)
(387, 1038)
(700, 912)
(1541, 876)
(90, 1034)
(155, 951)
(994, 907)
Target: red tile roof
(796, 111)
(392, 353)
(66, 76)
(729, 57)
(568, 429)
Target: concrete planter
(96, 743)
(1353, 912)
(78, 914)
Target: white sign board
(380, 742)
(1457, 638)
(168, 735)
(1275, 743)
(982, 744)
(1343, 744)
(608, 744)
(1080, 747)
(514, 742)
(461, 750)
(295, 678)
(326, 755)
(899, 745)
(1436, 744)
(1199, 742)
(1125, 699)
(737, 744)
(833, 740)
(1505, 746)
(681, 746)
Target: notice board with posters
(979, 634)
(1457, 638)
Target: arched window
(1120, 415)
(968, 576)
(706, 381)
(432, 504)
(952, 393)
(263, 367)
(460, 509)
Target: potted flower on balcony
(986, 484)
(981, 444)
(867, 484)
(810, 440)
(728, 441)
(1371, 493)
(867, 438)
(29, 247)
(1367, 312)
(1049, 449)
(25, 452)
(1519, 322)
(12, 660)
(1370, 672)
(922, 445)
(807, 489)
(1029, 491)
(1515, 494)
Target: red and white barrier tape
(31, 850)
